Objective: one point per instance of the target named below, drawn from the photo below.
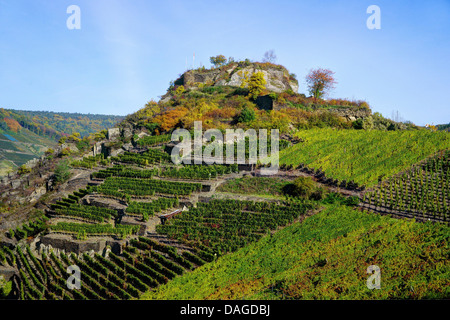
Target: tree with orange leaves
(320, 81)
(171, 118)
(12, 124)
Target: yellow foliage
(149, 111)
(75, 136)
(197, 111)
(179, 90)
(256, 84)
(244, 76)
(23, 170)
(279, 120)
(271, 120)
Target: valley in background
(26, 135)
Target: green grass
(326, 257)
(363, 156)
(267, 186)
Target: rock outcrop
(352, 113)
(277, 77)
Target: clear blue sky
(127, 52)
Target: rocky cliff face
(277, 77)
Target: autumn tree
(305, 187)
(76, 136)
(218, 61)
(179, 90)
(256, 84)
(320, 81)
(12, 124)
(151, 109)
(222, 113)
(171, 118)
(197, 111)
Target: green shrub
(62, 172)
(23, 170)
(303, 187)
(5, 288)
(357, 124)
(318, 194)
(246, 115)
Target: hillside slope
(326, 257)
(56, 124)
(166, 231)
(16, 148)
(25, 135)
(363, 156)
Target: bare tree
(270, 56)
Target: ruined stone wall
(51, 242)
(352, 114)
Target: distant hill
(57, 124)
(25, 135)
(445, 127)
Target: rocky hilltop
(278, 78)
(223, 84)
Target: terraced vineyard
(246, 149)
(91, 162)
(84, 212)
(199, 172)
(226, 225)
(422, 192)
(363, 157)
(145, 264)
(124, 199)
(154, 140)
(121, 187)
(207, 231)
(151, 156)
(124, 171)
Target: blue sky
(127, 52)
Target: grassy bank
(363, 156)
